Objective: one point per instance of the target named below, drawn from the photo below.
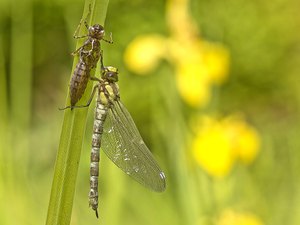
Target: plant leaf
(68, 156)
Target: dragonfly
(89, 54)
(117, 135)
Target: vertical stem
(68, 156)
(21, 77)
(175, 134)
(3, 126)
(19, 104)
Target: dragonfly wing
(124, 145)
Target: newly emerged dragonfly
(89, 54)
(115, 132)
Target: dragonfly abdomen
(78, 82)
(100, 116)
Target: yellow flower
(216, 61)
(144, 52)
(219, 144)
(248, 146)
(230, 217)
(212, 149)
(198, 64)
(192, 83)
(181, 52)
(245, 139)
(179, 21)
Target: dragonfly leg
(102, 68)
(76, 51)
(76, 36)
(80, 49)
(82, 106)
(110, 41)
(95, 79)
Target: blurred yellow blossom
(212, 149)
(180, 24)
(198, 64)
(216, 61)
(182, 52)
(219, 144)
(245, 138)
(230, 217)
(144, 52)
(192, 82)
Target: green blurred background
(262, 84)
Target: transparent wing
(124, 145)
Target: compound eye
(112, 76)
(100, 33)
(91, 30)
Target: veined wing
(124, 145)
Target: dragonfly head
(96, 31)
(110, 74)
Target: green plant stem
(172, 116)
(3, 121)
(68, 156)
(21, 80)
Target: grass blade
(68, 156)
